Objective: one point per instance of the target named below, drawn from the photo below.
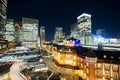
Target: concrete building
(30, 32)
(89, 64)
(18, 33)
(84, 28)
(58, 34)
(3, 9)
(42, 34)
(75, 31)
(10, 30)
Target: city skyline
(59, 40)
(63, 14)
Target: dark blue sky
(63, 13)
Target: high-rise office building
(10, 30)
(84, 28)
(42, 34)
(18, 33)
(58, 34)
(75, 31)
(30, 32)
(3, 8)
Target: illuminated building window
(59, 56)
(111, 57)
(87, 70)
(81, 59)
(107, 74)
(74, 62)
(87, 64)
(99, 73)
(74, 57)
(87, 78)
(78, 63)
(115, 67)
(61, 61)
(115, 76)
(99, 79)
(107, 66)
(119, 58)
(99, 65)
(104, 56)
(69, 62)
(81, 65)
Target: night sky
(64, 13)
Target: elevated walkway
(64, 71)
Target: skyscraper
(30, 32)
(18, 33)
(42, 34)
(3, 9)
(75, 31)
(58, 34)
(100, 32)
(84, 28)
(10, 30)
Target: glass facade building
(58, 34)
(30, 32)
(42, 34)
(10, 30)
(82, 29)
(3, 8)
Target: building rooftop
(84, 14)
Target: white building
(10, 30)
(58, 34)
(84, 27)
(30, 32)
